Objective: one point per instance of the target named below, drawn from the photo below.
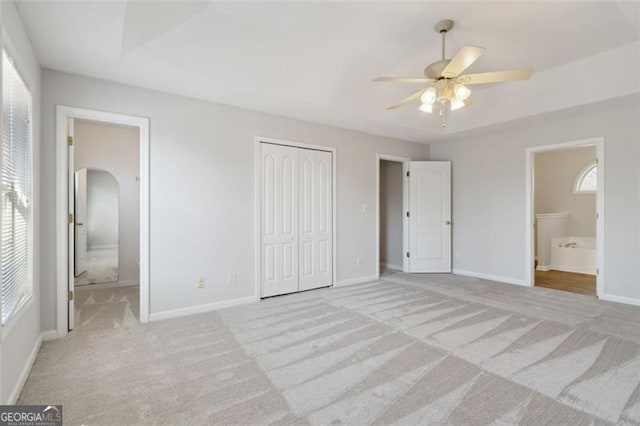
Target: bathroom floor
(567, 281)
(102, 267)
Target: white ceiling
(315, 60)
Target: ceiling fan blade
(466, 56)
(496, 77)
(408, 99)
(403, 80)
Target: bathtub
(574, 254)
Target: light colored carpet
(425, 349)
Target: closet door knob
(448, 222)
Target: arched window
(587, 180)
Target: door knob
(448, 222)
(78, 223)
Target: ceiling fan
(446, 88)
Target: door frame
(62, 199)
(405, 207)
(258, 205)
(600, 209)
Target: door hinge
(407, 214)
(70, 296)
(70, 218)
(70, 140)
(407, 173)
(408, 254)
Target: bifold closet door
(316, 219)
(279, 219)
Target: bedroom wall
(489, 190)
(202, 189)
(21, 336)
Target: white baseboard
(587, 271)
(116, 284)
(199, 309)
(358, 280)
(499, 279)
(621, 299)
(543, 268)
(391, 266)
(49, 335)
(24, 374)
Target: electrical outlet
(232, 279)
(358, 261)
(201, 282)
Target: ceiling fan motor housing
(434, 70)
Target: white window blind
(16, 260)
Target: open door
(429, 216)
(80, 219)
(71, 223)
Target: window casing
(587, 180)
(16, 258)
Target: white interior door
(316, 232)
(279, 217)
(429, 216)
(71, 224)
(80, 218)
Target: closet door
(279, 226)
(316, 227)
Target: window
(587, 180)
(16, 267)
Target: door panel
(430, 216)
(316, 209)
(279, 226)
(324, 234)
(297, 215)
(308, 197)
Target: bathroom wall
(103, 196)
(555, 176)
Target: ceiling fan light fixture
(448, 84)
(457, 104)
(429, 96)
(426, 108)
(461, 91)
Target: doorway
(426, 214)
(391, 217)
(566, 232)
(103, 199)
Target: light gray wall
(102, 209)
(22, 333)
(489, 189)
(391, 213)
(202, 188)
(555, 175)
(116, 149)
